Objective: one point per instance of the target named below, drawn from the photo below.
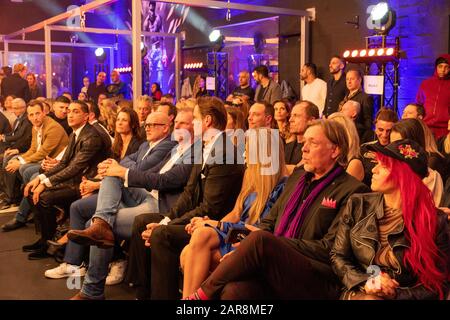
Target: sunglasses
(153, 125)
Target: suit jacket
(272, 94)
(80, 158)
(5, 126)
(54, 140)
(213, 189)
(293, 152)
(133, 146)
(21, 137)
(317, 233)
(17, 86)
(171, 183)
(364, 120)
(154, 157)
(106, 139)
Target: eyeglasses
(237, 105)
(153, 125)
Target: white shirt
(316, 92)
(209, 143)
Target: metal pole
(136, 43)
(48, 61)
(304, 41)
(111, 60)
(6, 53)
(177, 68)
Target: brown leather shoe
(98, 234)
(81, 296)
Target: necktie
(16, 124)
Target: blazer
(212, 189)
(106, 139)
(317, 233)
(272, 94)
(357, 241)
(21, 137)
(171, 183)
(133, 146)
(17, 86)
(54, 140)
(5, 126)
(154, 157)
(364, 120)
(80, 158)
(293, 152)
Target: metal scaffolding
(136, 33)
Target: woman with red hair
(396, 233)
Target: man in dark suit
(212, 190)
(19, 139)
(15, 84)
(5, 126)
(296, 237)
(60, 185)
(94, 114)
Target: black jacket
(5, 126)
(80, 158)
(293, 152)
(106, 139)
(213, 190)
(357, 242)
(17, 86)
(364, 120)
(336, 91)
(316, 234)
(20, 138)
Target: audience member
(117, 88)
(15, 84)
(336, 86)
(261, 115)
(8, 111)
(282, 111)
(98, 87)
(413, 110)
(303, 222)
(384, 121)
(434, 95)
(403, 238)
(33, 85)
(352, 110)
(315, 89)
(143, 109)
(19, 139)
(267, 90)
(59, 113)
(244, 88)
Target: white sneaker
(65, 270)
(116, 272)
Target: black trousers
(9, 182)
(138, 270)
(45, 212)
(265, 266)
(167, 243)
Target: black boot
(34, 247)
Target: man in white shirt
(315, 89)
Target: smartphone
(236, 235)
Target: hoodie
(434, 95)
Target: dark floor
(23, 279)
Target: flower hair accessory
(407, 151)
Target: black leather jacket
(357, 240)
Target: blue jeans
(28, 172)
(81, 211)
(99, 259)
(112, 193)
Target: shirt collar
(78, 131)
(153, 144)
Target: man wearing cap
(434, 95)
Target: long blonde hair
(253, 180)
(352, 133)
(108, 114)
(430, 142)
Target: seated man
(212, 190)
(60, 185)
(164, 183)
(48, 139)
(296, 237)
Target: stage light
(354, 53)
(379, 11)
(380, 52)
(383, 18)
(390, 51)
(370, 55)
(346, 54)
(214, 35)
(371, 52)
(363, 53)
(99, 52)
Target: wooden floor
(22, 279)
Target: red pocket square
(328, 202)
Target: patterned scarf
(290, 221)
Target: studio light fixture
(367, 55)
(217, 39)
(382, 18)
(100, 55)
